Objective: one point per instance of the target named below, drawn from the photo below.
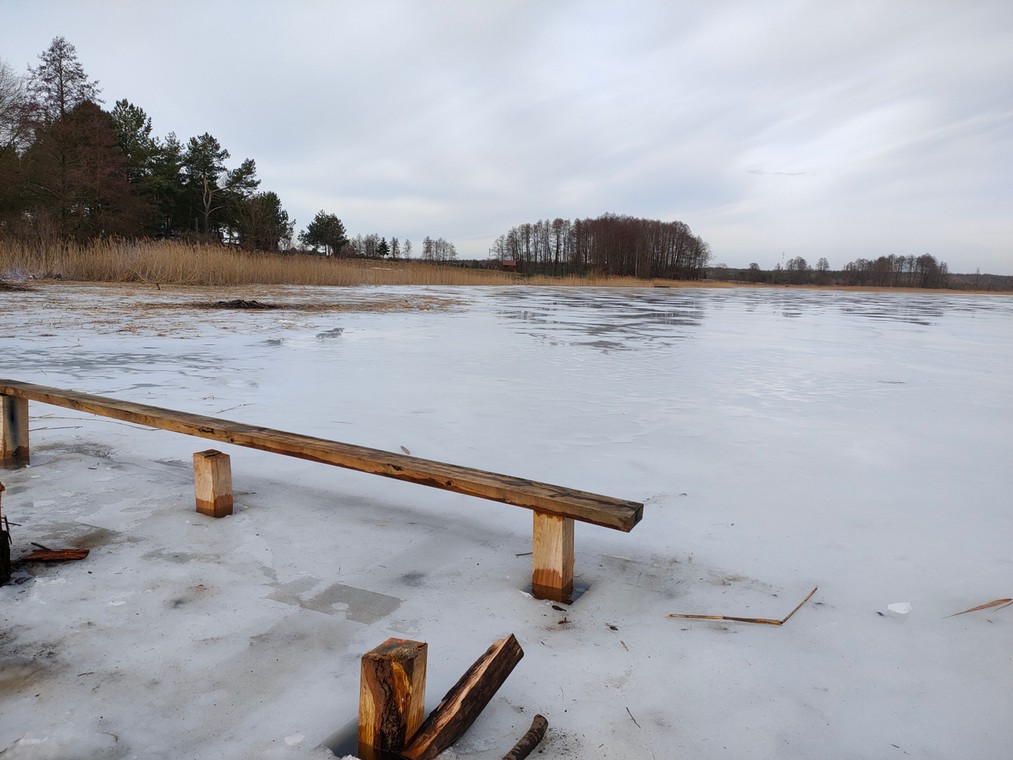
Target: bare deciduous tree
(13, 104)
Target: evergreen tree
(133, 133)
(214, 193)
(325, 231)
(75, 178)
(262, 224)
(58, 84)
(166, 185)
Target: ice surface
(780, 440)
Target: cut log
(530, 740)
(465, 701)
(392, 695)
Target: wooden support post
(13, 431)
(212, 476)
(465, 701)
(392, 695)
(552, 575)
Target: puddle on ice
(356, 604)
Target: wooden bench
(555, 507)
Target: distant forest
(609, 245)
(892, 271)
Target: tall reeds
(178, 263)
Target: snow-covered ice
(780, 439)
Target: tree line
(70, 170)
(923, 271)
(609, 245)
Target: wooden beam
(14, 450)
(392, 695)
(605, 511)
(212, 478)
(465, 701)
(552, 559)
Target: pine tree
(58, 84)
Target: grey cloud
(844, 130)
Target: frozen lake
(780, 439)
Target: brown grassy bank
(174, 263)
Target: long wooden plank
(605, 511)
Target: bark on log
(392, 694)
(530, 740)
(465, 701)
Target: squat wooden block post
(552, 576)
(392, 695)
(13, 431)
(212, 476)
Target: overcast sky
(774, 129)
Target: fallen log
(530, 740)
(465, 701)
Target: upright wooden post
(13, 431)
(552, 575)
(212, 477)
(392, 695)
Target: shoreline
(9, 287)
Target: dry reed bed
(175, 263)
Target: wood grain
(552, 558)
(597, 509)
(465, 701)
(212, 478)
(392, 694)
